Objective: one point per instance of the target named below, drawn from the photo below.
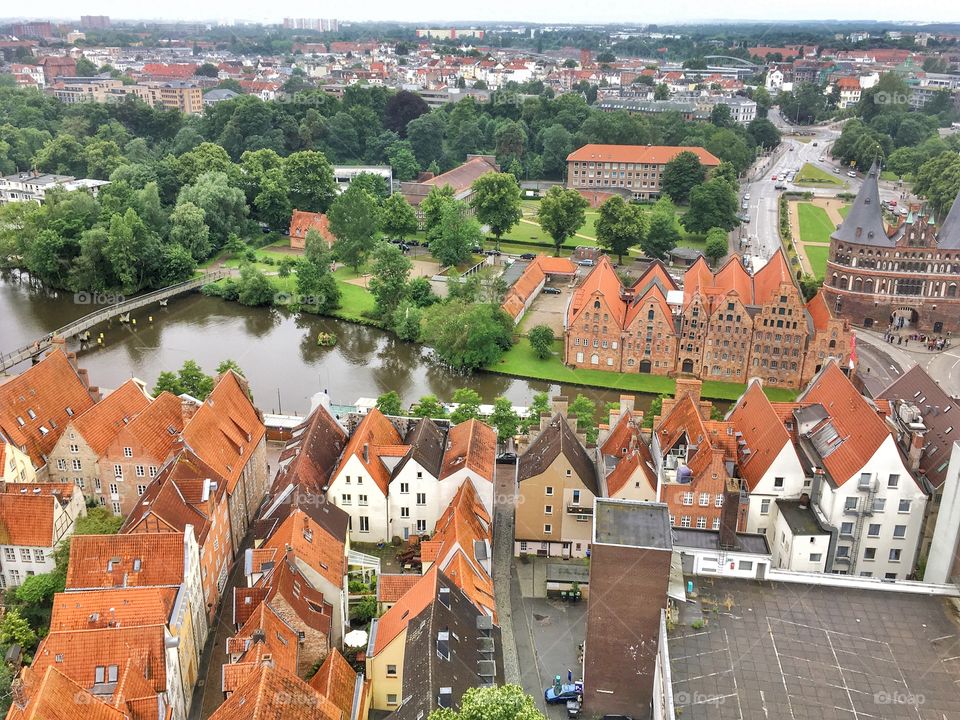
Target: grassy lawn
(843, 211)
(817, 255)
(355, 301)
(815, 224)
(887, 175)
(520, 361)
(812, 175)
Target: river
(277, 351)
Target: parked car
(413, 243)
(527, 256)
(746, 196)
(477, 249)
(403, 247)
(851, 174)
(814, 144)
(586, 262)
(775, 178)
(744, 218)
(491, 252)
(551, 290)
(567, 692)
(836, 170)
(507, 458)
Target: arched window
(594, 359)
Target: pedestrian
(898, 340)
(569, 675)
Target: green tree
(230, 364)
(354, 221)
(938, 180)
(14, 628)
(429, 407)
(656, 407)
(468, 403)
(132, 250)
(682, 174)
(432, 208)
(663, 232)
(721, 117)
(809, 286)
(541, 340)
(467, 336)
(254, 288)
(407, 321)
(764, 133)
(316, 286)
(309, 176)
(204, 158)
(389, 403)
(188, 228)
(388, 282)
(496, 202)
(425, 135)
(374, 184)
(661, 92)
(272, 203)
(716, 246)
(224, 206)
(585, 411)
(620, 226)
(540, 405)
(504, 418)
(399, 217)
(420, 292)
(504, 702)
(457, 233)
(561, 214)
(712, 204)
(403, 161)
(557, 144)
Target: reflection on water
(277, 351)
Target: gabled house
(75, 458)
(470, 456)
(264, 638)
(624, 463)
(415, 497)
(557, 483)
(15, 465)
(268, 693)
(54, 695)
(347, 689)
(227, 433)
(361, 482)
(188, 492)
(36, 405)
(302, 222)
(34, 519)
(135, 454)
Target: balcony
(579, 510)
(841, 560)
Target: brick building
(726, 325)
(877, 275)
(635, 170)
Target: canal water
(277, 351)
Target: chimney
(730, 514)
(688, 386)
(915, 451)
(560, 405)
(18, 693)
(187, 410)
(627, 403)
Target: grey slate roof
(864, 223)
(546, 447)
(949, 236)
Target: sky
(541, 11)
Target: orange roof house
(627, 465)
(99, 424)
(36, 405)
(131, 560)
(56, 696)
(646, 154)
(114, 607)
(373, 432)
(302, 222)
(525, 290)
(268, 693)
(337, 681)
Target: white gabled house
(470, 455)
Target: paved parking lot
(814, 653)
(548, 309)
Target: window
(765, 506)
(346, 499)
(141, 489)
(895, 555)
(421, 526)
(548, 490)
(391, 698)
(15, 577)
(77, 465)
(719, 501)
(701, 523)
(576, 497)
(904, 506)
(745, 565)
(851, 503)
(128, 452)
(879, 504)
(815, 557)
(547, 528)
(688, 498)
(153, 471)
(74, 448)
(361, 499)
(685, 521)
(404, 512)
(873, 530)
(870, 553)
(778, 483)
(392, 671)
(347, 480)
(704, 499)
(843, 551)
(96, 484)
(421, 498)
(140, 472)
(25, 555)
(114, 490)
(899, 531)
(404, 488)
(548, 509)
(61, 464)
(864, 481)
(716, 524)
(118, 471)
(893, 480)
(116, 508)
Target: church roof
(864, 223)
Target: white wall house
(354, 489)
(414, 500)
(799, 542)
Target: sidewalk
(915, 349)
(503, 523)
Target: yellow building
(15, 466)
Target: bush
(541, 341)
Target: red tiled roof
(160, 556)
(653, 154)
(270, 694)
(156, 428)
(767, 280)
(391, 588)
(311, 544)
(245, 601)
(36, 405)
(264, 635)
(301, 222)
(463, 176)
(471, 444)
(312, 453)
(226, 430)
(763, 432)
(394, 621)
(27, 520)
(57, 697)
(626, 443)
(602, 279)
(733, 276)
(100, 424)
(374, 430)
(121, 607)
(819, 311)
(336, 681)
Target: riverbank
(520, 361)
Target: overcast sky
(544, 11)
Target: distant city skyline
(438, 12)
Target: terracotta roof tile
(819, 312)
(391, 587)
(336, 681)
(767, 280)
(463, 176)
(122, 607)
(471, 444)
(27, 519)
(156, 428)
(763, 433)
(310, 544)
(311, 455)
(655, 154)
(394, 621)
(57, 697)
(159, 557)
(627, 445)
(265, 636)
(36, 405)
(733, 276)
(301, 222)
(245, 602)
(603, 282)
(270, 694)
(374, 430)
(100, 424)
(226, 429)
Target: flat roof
(632, 524)
(755, 543)
(810, 651)
(801, 520)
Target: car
(507, 458)
(551, 290)
(491, 252)
(744, 218)
(779, 186)
(477, 249)
(568, 691)
(527, 256)
(413, 243)
(790, 148)
(851, 174)
(837, 170)
(814, 144)
(404, 247)
(775, 178)
(892, 203)
(586, 262)
(746, 196)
